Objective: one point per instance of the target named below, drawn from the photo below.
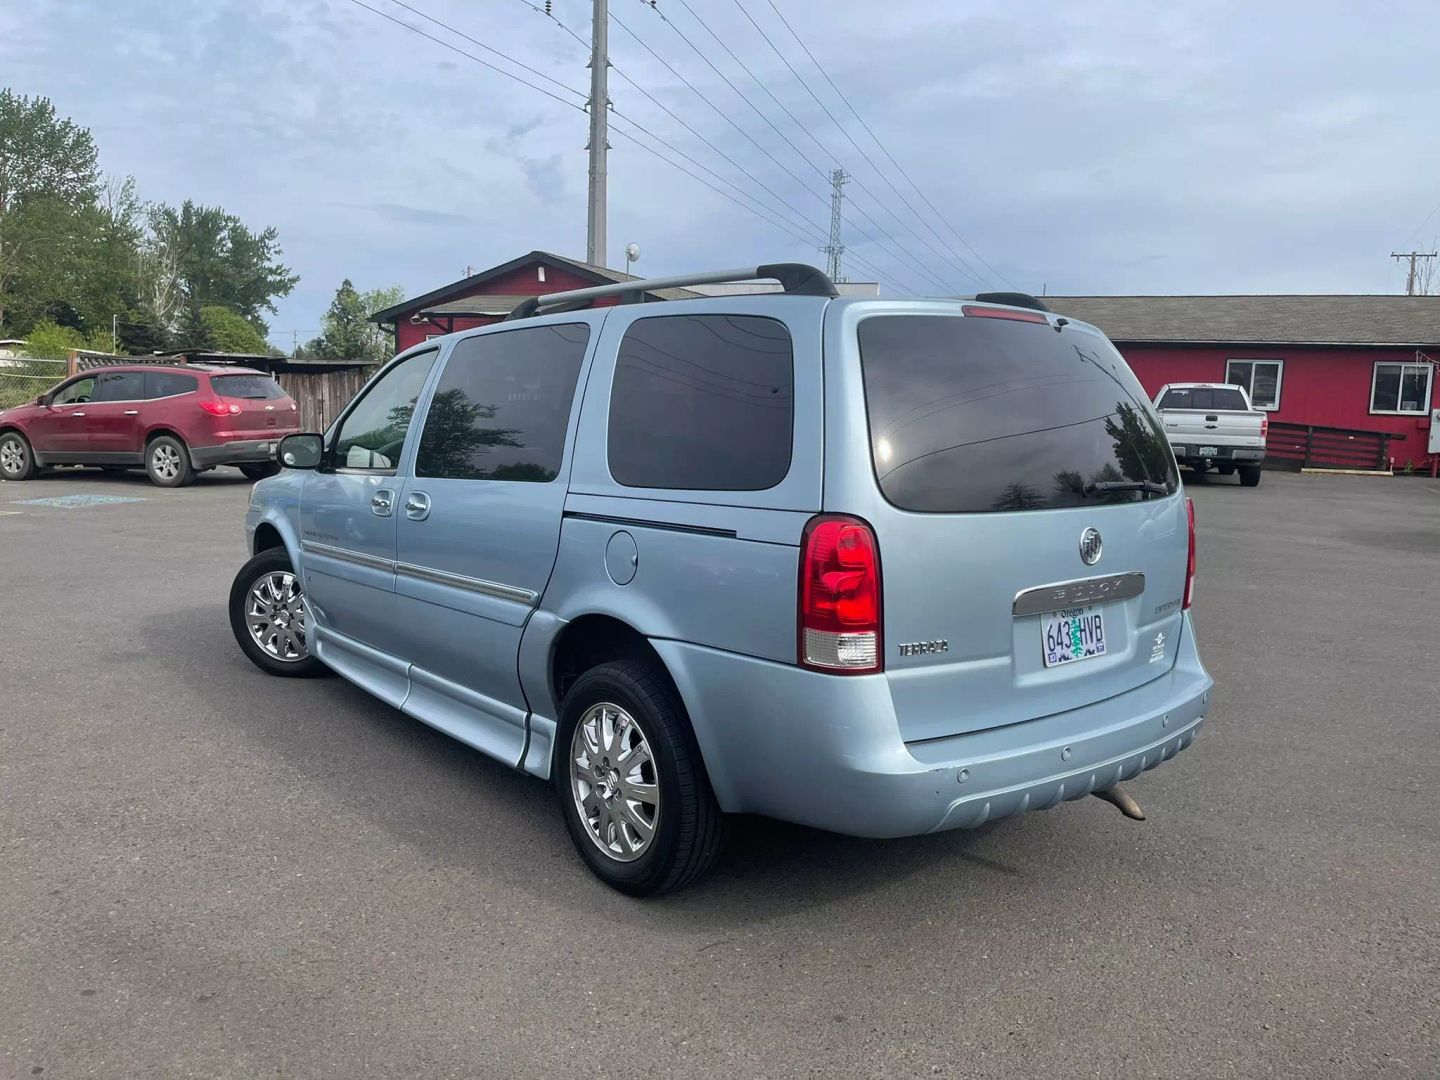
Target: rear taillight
(220, 408)
(294, 407)
(840, 597)
(1264, 426)
(1190, 557)
(1003, 313)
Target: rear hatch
(1032, 537)
(265, 410)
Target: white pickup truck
(1212, 424)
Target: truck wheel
(168, 462)
(1249, 475)
(631, 785)
(1225, 470)
(1199, 467)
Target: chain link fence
(22, 381)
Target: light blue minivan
(878, 566)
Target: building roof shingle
(1273, 320)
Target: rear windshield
(1204, 397)
(257, 387)
(973, 415)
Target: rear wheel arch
(155, 433)
(590, 640)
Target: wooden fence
(321, 395)
(1304, 445)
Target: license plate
(1074, 634)
(1208, 451)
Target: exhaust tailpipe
(1121, 798)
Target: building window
(1260, 378)
(1400, 388)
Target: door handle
(132, 412)
(77, 414)
(382, 502)
(417, 506)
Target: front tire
(260, 470)
(1249, 475)
(167, 461)
(631, 784)
(17, 461)
(268, 619)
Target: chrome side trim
(469, 584)
(359, 558)
(1068, 594)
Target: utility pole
(599, 124)
(1411, 256)
(836, 247)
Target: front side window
(502, 406)
(975, 415)
(161, 384)
(1400, 388)
(121, 386)
(77, 393)
(1261, 380)
(372, 435)
(702, 403)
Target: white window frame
(1404, 366)
(1250, 386)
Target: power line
(957, 260)
(900, 168)
(540, 89)
(913, 261)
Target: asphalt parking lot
(209, 872)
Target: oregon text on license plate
(1074, 634)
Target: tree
(192, 333)
(216, 260)
(49, 177)
(47, 340)
(348, 332)
(231, 332)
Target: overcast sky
(1078, 146)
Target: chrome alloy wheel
(275, 616)
(12, 456)
(614, 782)
(165, 460)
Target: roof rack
(1012, 299)
(795, 278)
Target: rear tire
(688, 826)
(1225, 470)
(267, 617)
(167, 462)
(260, 470)
(1200, 467)
(17, 461)
(1249, 475)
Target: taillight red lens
(220, 408)
(1003, 313)
(1264, 426)
(1190, 558)
(840, 597)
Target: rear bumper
(826, 751)
(239, 452)
(1190, 452)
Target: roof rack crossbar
(796, 278)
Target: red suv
(174, 420)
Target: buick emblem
(1090, 546)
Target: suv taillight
(839, 625)
(220, 408)
(1190, 558)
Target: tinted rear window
(1203, 397)
(702, 402)
(973, 415)
(121, 386)
(258, 387)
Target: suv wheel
(16, 460)
(260, 470)
(631, 784)
(168, 462)
(267, 616)
(1249, 475)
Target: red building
(1354, 362)
(491, 294)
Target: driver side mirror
(301, 451)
